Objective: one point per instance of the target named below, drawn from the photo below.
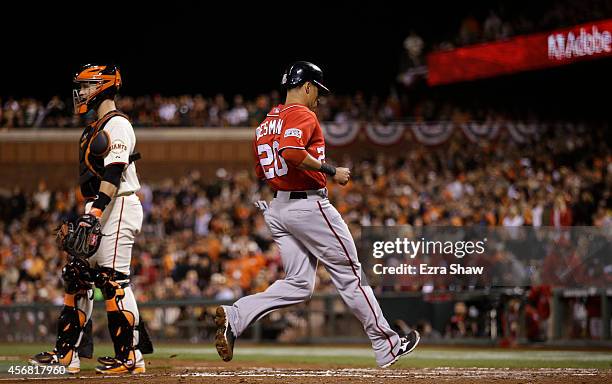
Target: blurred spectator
(492, 28)
(56, 114)
(457, 324)
(238, 115)
(413, 46)
(12, 115)
(513, 219)
(469, 31)
(561, 215)
(427, 331)
(168, 109)
(42, 197)
(537, 312)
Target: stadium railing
(325, 319)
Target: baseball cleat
(224, 339)
(113, 366)
(71, 361)
(106, 360)
(409, 343)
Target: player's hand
(342, 175)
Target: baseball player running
(109, 182)
(289, 151)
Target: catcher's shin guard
(125, 330)
(73, 333)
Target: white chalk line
(423, 354)
(441, 373)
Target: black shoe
(45, 358)
(114, 366)
(408, 344)
(71, 361)
(224, 339)
(106, 360)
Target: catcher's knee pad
(77, 276)
(74, 327)
(110, 282)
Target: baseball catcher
(99, 244)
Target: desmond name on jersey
(270, 127)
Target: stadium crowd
(204, 238)
(192, 111)
(198, 111)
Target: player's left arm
(299, 129)
(301, 159)
(114, 163)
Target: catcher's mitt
(82, 238)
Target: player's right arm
(259, 172)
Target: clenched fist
(342, 175)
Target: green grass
(334, 357)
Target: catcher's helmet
(302, 71)
(105, 78)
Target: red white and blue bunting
(387, 134)
(521, 132)
(433, 133)
(429, 133)
(476, 132)
(339, 134)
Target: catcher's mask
(94, 83)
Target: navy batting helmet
(302, 71)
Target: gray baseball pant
(307, 231)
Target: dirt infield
(263, 364)
(263, 375)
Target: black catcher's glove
(82, 238)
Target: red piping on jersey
(358, 278)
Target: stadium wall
(51, 155)
(28, 156)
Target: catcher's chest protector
(93, 148)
